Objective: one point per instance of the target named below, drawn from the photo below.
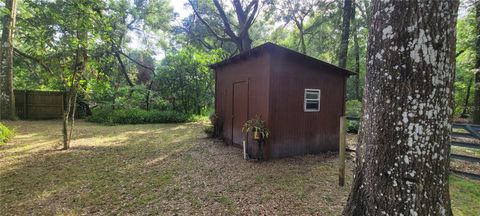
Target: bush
(135, 116)
(354, 108)
(353, 126)
(210, 131)
(5, 134)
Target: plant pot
(256, 135)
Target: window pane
(314, 105)
(312, 95)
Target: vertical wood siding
(293, 131)
(254, 71)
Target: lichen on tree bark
(402, 162)
(7, 97)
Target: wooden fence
(467, 131)
(37, 105)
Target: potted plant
(258, 128)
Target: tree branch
(190, 32)
(38, 61)
(251, 17)
(460, 53)
(136, 62)
(123, 69)
(226, 23)
(205, 23)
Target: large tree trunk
(476, 112)
(246, 43)
(7, 97)
(402, 163)
(343, 50)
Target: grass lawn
(167, 169)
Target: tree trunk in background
(7, 97)
(356, 52)
(301, 30)
(402, 162)
(467, 98)
(245, 43)
(302, 41)
(476, 112)
(343, 50)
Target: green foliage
(465, 66)
(185, 80)
(135, 116)
(353, 109)
(5, 134)
(353, 126)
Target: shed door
(239, 111)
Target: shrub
(5, 134)
(210, 131)
(353, 126)
(135, 116)
(354, 108)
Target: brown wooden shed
(299, 97)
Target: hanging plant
(258, 127)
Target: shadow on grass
(98, 177)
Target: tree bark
(7, 97)
(402, 162)
(343, 50)
(476, 112)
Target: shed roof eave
(271, 47)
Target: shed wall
(254, 71)
(293, 131)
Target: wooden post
(244, 150)
(25, 105)
(341, 154)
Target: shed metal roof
(274, 48)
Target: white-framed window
(312, 100)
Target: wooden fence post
(341, 154)
(25, 105)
